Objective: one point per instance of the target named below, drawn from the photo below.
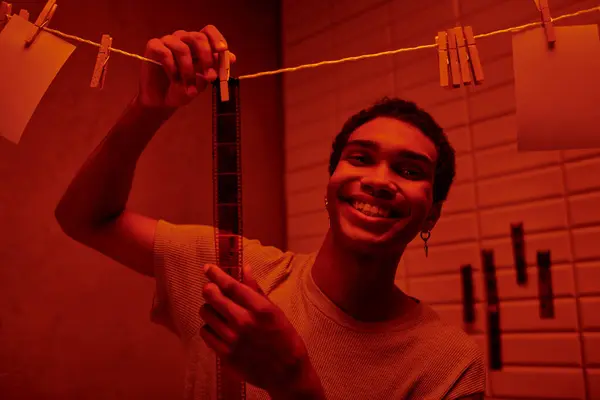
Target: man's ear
(434, 215)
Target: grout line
(523, 299)
(503, 268)
(578, 311)
(396, 89)
(397, 86)
(550, 365)
(495, 238)
(469, 125)
(333, 24)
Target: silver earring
(425, 235)
(327, 209)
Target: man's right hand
(189, 63)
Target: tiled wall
(555, 194)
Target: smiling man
(329, 325)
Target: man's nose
(379, 184)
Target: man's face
(380, 195)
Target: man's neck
(363, 287)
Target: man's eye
(358, 158)
(411, 172)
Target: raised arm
(93, 209)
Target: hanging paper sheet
(557, 91)
(26, 74)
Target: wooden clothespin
(463, 55)
(442, 43)
(42, 20)
(454, 63)
(224, 75)
(99, 75)
(459, 57)
(23, 13)
(474, 59)
(544, 8)
(5, 12)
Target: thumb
(249, 280)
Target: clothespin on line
(42, 20)
(442, 43)
(463, 56)
(99, 75)
(5, 12)
(474, 59)
(459, 60)
(544, 9)
(224, 68)
(454, 62)
(23, 13)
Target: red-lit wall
(74, 324)
(555, 194)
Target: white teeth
(371, 210)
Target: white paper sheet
(26, 74)
(557, 91)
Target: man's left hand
(254, 339)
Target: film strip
(518, 244)
(545, 291)
(493, 310)
(227, 215)
(468, 293)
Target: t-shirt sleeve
(180, 251)
(471, 381)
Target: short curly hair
(410, 113)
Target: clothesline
(338, 61)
